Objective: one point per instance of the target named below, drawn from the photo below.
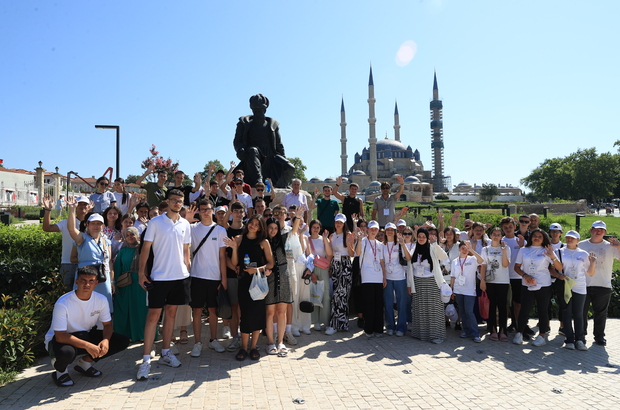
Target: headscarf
(136, 234)
(423, 252)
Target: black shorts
(204, 292)
(516, 286)
(169, 292)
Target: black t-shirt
(187, 189)
(231, 232)
(267, 200)
(350, 206)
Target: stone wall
(562, 208)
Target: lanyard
(373, 248)
(462, 264)
(390, 250)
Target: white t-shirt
(292, 199)
(535, 263)
(514, 252)
(206, 263)
(67, 241)
(493, 257)
(394, 270)
(71, 314)
(317, 247)
(244, 198)
(605, 254)
(464, 273)
(421, 269)
(370, 261)
(168, 238)
(575, 263)
(119, 201)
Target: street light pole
(118, 144)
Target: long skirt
(427, 310)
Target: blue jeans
(398, 288)
(466, 307)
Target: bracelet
(47, 209)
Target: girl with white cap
(342, 243)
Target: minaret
(343, 139)
(396, 123)
(436, 106)
(372, 139)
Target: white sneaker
(226, 332)
(296, 333)
(290, 339)
(581, 346)
(234, 345)
(569, 346)
(169, 360)
(153, 354)
(330, 331)
(518, 340)
(174, 349)
(539, 341)
(306, 332)
(317, 327)
(196, 350)
(143, 371)
(215, 345)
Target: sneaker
(477, 339)
(518, 340)
(295, 333)
(330, 331)
(196, 350)
(234, 345)
(174, 349)
(169, 360)
(538, 341)
(389, 332)
(569, 346)
(317, 327)
(580, 346)
(399, 333)
(290, 339)
(458, 326)
(368, 335)
(226, 332)
(143, 371)
(215, 345)
(306, 332)
(463, 335)
(437, 341)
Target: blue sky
(521, 81)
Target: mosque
(384, 159)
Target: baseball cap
(373, 224)
(95, 218)
(341, 218)
(599, 224)
(82, 198)
(401, 222)
(390, 225)
(555, 227)
(573, 234)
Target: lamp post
(118, 144)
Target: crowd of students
(178, 257)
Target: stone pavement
(346, 371)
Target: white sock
(165, 351)
(275, 328)
(83, 363)
(288, 329)
(59, 374)
(146, 358)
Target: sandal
(183, 340)
(62, 381)
(271, 349)
(254, 354)
(503, 337)
(282, 351)
(90, 372)
(242, 354)
(494, 337)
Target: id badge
(388, 268)
(386, 212)
(337, 256)
(461, 280)
(532, 270)
(419, 270)
(572, 273)
(377, 266)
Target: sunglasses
(238, 183)
(278, 213)
(259, 190)
(267, 215)
(524, 222)
(103, 184)
(408, 233)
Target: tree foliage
(131, 179)
(488, 192)
(582, 174)
(300, 169)
(160, 163)
(217, 164)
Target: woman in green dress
(130, 308)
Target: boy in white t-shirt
(74, 330)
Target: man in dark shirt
(351, 204)
(179, 176)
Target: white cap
(373, 224)
(573, 234)
(555, 227)
(95, 218)
(82, 198)
(599, 224)
(221, 208)
(341, 218)
(446, 292)
(401, 222)
(390, 225)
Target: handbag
(101, 276)
(259, 286)
(306, 306)
(483, 305)
(223, 304)
(401, 258)
(124, 279)
(316, 293)
(319, 261)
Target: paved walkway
(346, 371)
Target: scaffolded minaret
(396, 123)
(343, 140)
(437, 139)
(372, 139)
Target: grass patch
(7, 376)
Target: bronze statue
(259, 148)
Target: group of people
(202, 244)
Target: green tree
(488, 192)
(217, 164)
(131, 179)
(300, 169)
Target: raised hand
(230, 242)
(48, 202)
(400, 179)
(71, 202)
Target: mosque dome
(330, 180)
(390, 145)
(411, 180)
(315, 179)
(358, 173)
(374, 183)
